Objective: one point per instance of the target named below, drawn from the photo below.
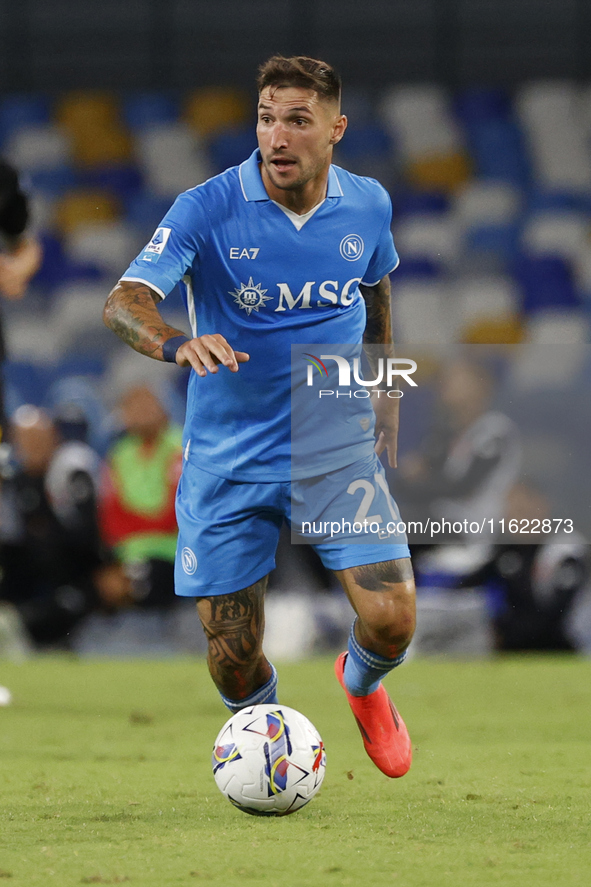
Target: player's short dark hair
(301, 71)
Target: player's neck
(298, 200)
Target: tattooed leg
(383, 596)
(234, 625)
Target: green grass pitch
(105, 779)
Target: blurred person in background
(471, 457)
(55, 568)
(533, 581)
(534, 586)
(137, 514)
(20, 253)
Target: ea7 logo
(251, 253)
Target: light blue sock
(365, 669)
(265, 694)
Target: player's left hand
(387, 410)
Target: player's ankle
(365, 669)
(264, 694)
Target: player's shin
(364, 669)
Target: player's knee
(392, 636)
(387, 612)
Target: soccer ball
(268, 760)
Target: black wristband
(171, 346)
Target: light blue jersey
(249, 274)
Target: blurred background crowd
(477, 119)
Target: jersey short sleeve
(385, 258)
(169, 255)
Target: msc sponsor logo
(251, 296)
(351, 247)
(330, 292)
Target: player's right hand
(205, 353)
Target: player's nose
(279, 136)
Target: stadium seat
(550, 112)
(57, 269)
(102, 146)
(77, 309)
(368, 150)
(172, 159)
(565, 234)
(499, 152)
(80, 109)
(358, 106)
(422, 314)
(546, 283)
(82, 207)
(38, 147)
(54, 265)
(97, 134)
(19, 111)
(477, 104)
(499, 331)
(498, 241)
(145, 210)
(26, 382)
(407, 202)
(361, 141)
(417, 269)
(540, 199)
(486, 298)
(212, 109)
(558, 328)
(119, 180)
(439, 172)
(582, 275)
(419, 119)
(77, 364)
(109, 246)
(144, 110)
(486, 203)
(54, 182)
(231, 147)
(30, 339)
(432, 237)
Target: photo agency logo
(350, 375)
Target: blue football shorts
(229, 530)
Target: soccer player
(284, 249)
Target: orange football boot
(384, 733)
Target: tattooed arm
(378, 328)
(378, 331)
(131, 312)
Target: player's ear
(338, 130)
